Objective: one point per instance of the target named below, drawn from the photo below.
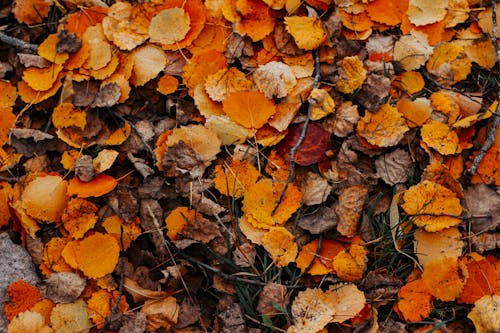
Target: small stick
(490, 138)
(19, 43)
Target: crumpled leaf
(312, 310)
(307, 32)
(485, 315)
(29, 322)
(351, 75)
(315, 189)
(346, 116)
(323, 220)
(274, 79)
(349, 209)
(322, 103)
(64, 287)
(22, 296)
(71, 317)
(384, 128)
(429, 201)
(161, 313)
(449, 63)
(394, 167)
(79, 216)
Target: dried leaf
(225, 82)
(415, 301)
(449, 63)
(485, 314)
(349, 209)
(488, 171)
(250, 109)
(315, 189)
(307, 32)
(351, 75)
(161, 313)
(64, 287)
(100, 185)
(71, 317)
(443, 279)
(169, 26)
(416, 112)
(22, 296)
(394, 167)
(31, 12)
(481, 278)
(432, 204)
(440, 137)
(44, 198)
(149, 61)
(272, 296)
(384, 128)
(412, 51)
(423, 12)
(281, 245)
(235, 178)
(348, 301)
(27, 322)
(431, 246)
(274, 79)
(312, 310)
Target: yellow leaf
(281, 245)
(351, 75)
(384, 128)
(307, 32)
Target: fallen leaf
(272, 297)
(384, 128)
(431, 246)
(274, 79)
(29, 321)
(71, 317)
(31, 12)
(351, 75)
(412, 51)
(22, 296)
(394, 167)
(307, 32)
(149, 60)
(449, 64)
(481, 278)
(488, 171)
(64, 287)
(235, 178)
(485, 314)
(250, 109)
(312, 310)
(100, 185)
(281, 245)
(444, 278)
(161, 313)
(348, 301)
(432, 204)
(224, 82)
(349, 209)
(415, 301)
(426, 12)
(169, 26)
(315, 189)
(440, 137)
(44, 197)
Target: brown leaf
(272, 293)
(107, 96)
(483, 207)
(64, 287)
(84, 168)
(380, 286)
(232, 319)
(189, 313)
(394, 167)
(315, 189)
(182, 158)
(202, 230)
(68, 42)
(374, 91)
(244, 255)
(349, 209)
(133, 322)
(322, 220)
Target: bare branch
(21, 44)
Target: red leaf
(312, 149)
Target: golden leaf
(307, 32)
(432, 204)
(384, 128)
(351, 75)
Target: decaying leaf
(274, 79)
(161, 313)
(485, 314)
(70, 317)
(394, 168)
(349, 208)
(312, 310)
(64, 287)
(351, 75)
(384, 128)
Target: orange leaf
(256, 19)
(52, 261)
(66, 115)
(178, 219)
(201, 66)
(387, 12)
(119, 135)
(234, 179)
(167, 84)
(97, 187)
(22, 296)
(481, 278)
(449, 63)
(350, 263)
(78, 22)
(281, 245)
(42, 79)
(95, 255)
(488, 171)
(9, 95)
(126, 232)
(261, 199)
(384, 128)
(323, 263)
(8, 122)
(100, 304)
(431, 203)
(416, 112)
(351, 75)
(307, 32)
(443, 279)
(410, 82)
(31, 11)
(44, 198)
(440, 137)
(250, 109)
(48, 50)
(79, 217)
(415, 301)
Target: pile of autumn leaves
(125, 47)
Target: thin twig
(293, 151)
(490, 138)
(19, 43)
